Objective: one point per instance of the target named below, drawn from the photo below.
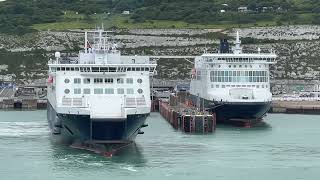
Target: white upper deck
(233, 77)
(100, 82)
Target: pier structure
(296, 105)
(181, 115)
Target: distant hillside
(19, 17)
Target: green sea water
(286, 147)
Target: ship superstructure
(99, 96)
(235, 85)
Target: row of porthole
(68, 81)
(67, 91)
(240, 66)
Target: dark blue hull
(245, 112)
(69, 129)
(228, 112)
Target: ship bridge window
(98, 81)
(121, 69)
(120, 81)
(86, 91)
(109, 91)
(146, 69)
(58, 69)
(112, 69)
(67, 69)
(239, 76)
(77, 91)
(85, 69)
(77, 81)
(130, 91)
(108, 80)
(129, 80)
(86, 81)
(120, 91)
(129, 69)
(76, 69)
(53, 69)
(138, 69)
(95, 69)
(63, 69)
(103, 69)
(98, 91)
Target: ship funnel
(224, 46)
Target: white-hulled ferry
(100, 96)
(236, 86)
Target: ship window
(129, 69)
(66, 91)
(77, 91)
(147, 69)
(103, 69)
(66, 81)
(229, 66)
(120, 81)
(112, 69)
(139, 81)
(120, 91)
(243, 85)
(130, 91)
(67, 69)
(77, 81)
(76, 69)
(238, 85)
(98, 81)
(63, 69)
(133, 69)
(95, 69)
(98, 91)
(217, 86)
(109, 91)
(223, 86)
(58, 69)
(129, 80)
(228, 86)
(86, 91)
(137, 69)
(86, 81)
(108, 80)
(72, 69)
(140, 91)
(262, 86)
(233, 85)
(258, 86)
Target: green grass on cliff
(73, 21)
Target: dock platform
(186, 118)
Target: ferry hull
(241, 112)
(69, 129)
(247, 112)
